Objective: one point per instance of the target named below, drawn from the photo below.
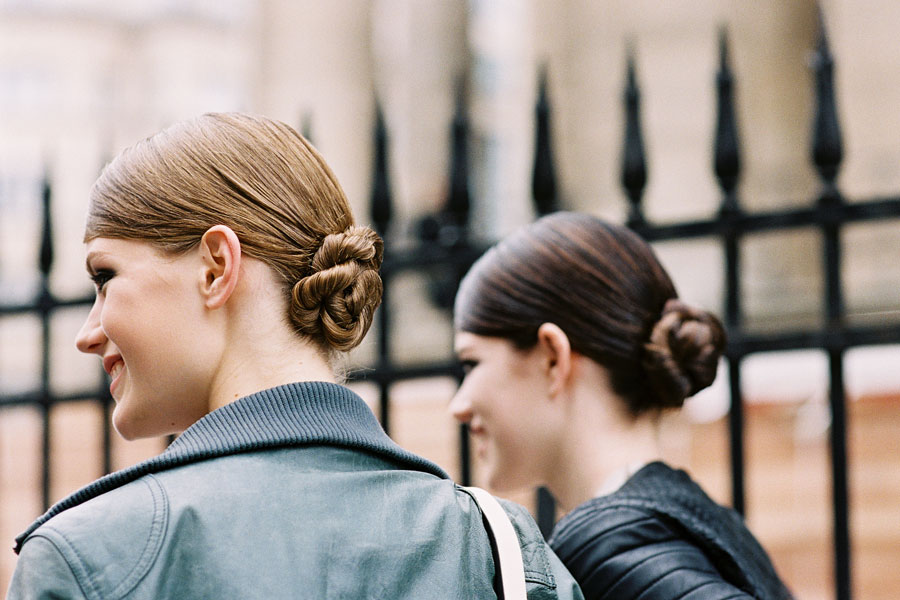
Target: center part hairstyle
(267, 183)
(604, 287)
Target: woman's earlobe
(554, 342)
(220, 252)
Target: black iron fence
(445, 250)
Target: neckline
(615, 480)
(303, 413)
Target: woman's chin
(125, 431)
(126, 426)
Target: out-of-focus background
(81, 79)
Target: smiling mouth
(114, 365)
(479, 440)
(116, 369)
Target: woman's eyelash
(100, 278)
(468, 365)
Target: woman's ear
(220, 252)
(554, 344)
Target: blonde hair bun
(337, 301)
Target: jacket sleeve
(43, 574)
(630, 554)
(546, 578)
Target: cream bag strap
(509, 554)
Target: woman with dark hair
(229, 276)
(574, 342)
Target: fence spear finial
(458, 200)
(46, 256)
(827, 142)
(634, 164)
(726, 153)
(380, 202)
(543, 180)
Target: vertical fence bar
(727, 167)
(45, 307)
(543, 178)
(459, 201)
(544, 195)
(458, 206)
(107, 437)
(736, 437)
(380, 205)
(840, 494)
(106, 405)
(827, 154)
(465, 456)
(382, 213)
(546, 511)
(384, 348)
(634, 162)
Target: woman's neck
(266, 365)
(602, 448)
(260, 350)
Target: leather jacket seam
(158, 526)
(70, 555)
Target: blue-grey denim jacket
(292, 492)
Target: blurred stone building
(80, 79)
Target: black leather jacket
(660, 537)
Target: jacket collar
(313, 413)
(671, 495)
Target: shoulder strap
(509, 554)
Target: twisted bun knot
(683, 353)
(337, 302)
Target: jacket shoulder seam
(158, 526)
(68, 549)
(71, 557)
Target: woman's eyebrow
(91, 256)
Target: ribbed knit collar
(307, 413)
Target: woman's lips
(115, 371)
(478, 437)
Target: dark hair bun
(683, 353)
(336, 303)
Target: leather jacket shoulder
(75, 556)
(629, 553)
(661, 537)
(342, 515)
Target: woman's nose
(460, 407)
(91, 339)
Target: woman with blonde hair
(230, 276)
(574, 342)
